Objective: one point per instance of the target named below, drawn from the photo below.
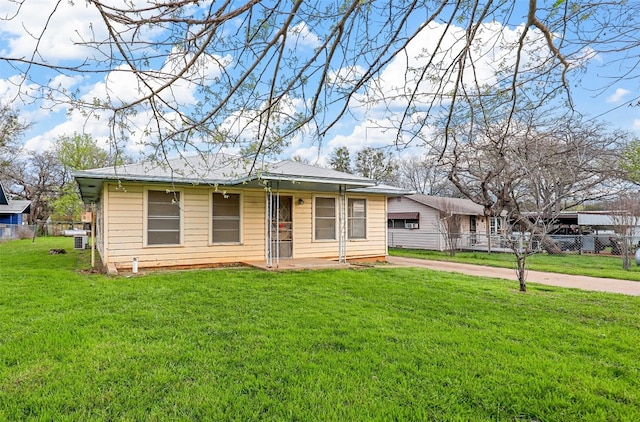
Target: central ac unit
(80, 242)
(411, 225)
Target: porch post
(488, 220)
(268, 215)
(342, 247)
(277, 227)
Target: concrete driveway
(610, 285)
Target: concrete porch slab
(297, 264)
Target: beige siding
(373, 246)
(126, 229)
(124, 225)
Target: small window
(496, 225)
(225, 218)
(163, 218)
(325, 218)
(357, 218)
(395, 223)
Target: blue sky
(597, 94)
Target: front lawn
(368, 344)
(605, 266)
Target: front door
(472, 228)
(282, 227)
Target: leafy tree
(77, 152)
(375, 165)
(81, 152)
(631, 161)
(340, 160)
(300, 159)
(10, 125)
(67, 206)
(37, 177)
(11, 128)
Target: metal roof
(227, 170)
(384, 189)
(12, 206)
(403, 215)
(15, 207)
(583, 218)
(456, 205)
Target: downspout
(268, 219)
(93, 235)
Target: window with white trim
(325, 218)
(163, 218)
(356, 218)
(225, 218)
(496, 225)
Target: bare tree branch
(254, 84)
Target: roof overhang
(16, 207)
(229, 172)
(403, 215)
(91, 186)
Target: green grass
(372, 344)
(588, 265)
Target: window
(163, 218)
(496, 225)
(403, 220)
(225, 218)
(325, 218)
(409, 223)
(357, 218)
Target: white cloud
(618, 95)
(310, 154)
(17, 91)
(64, 30)
(636, 124)
(122, 85)
(61, 30)
(434, 48)
(346, 76)
(75, 123)
(300, 36)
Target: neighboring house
(202, 211)
(11, 211)
(417, 221)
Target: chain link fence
(606, 244)
(23, 231)
(16, 231)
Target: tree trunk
(547, 243)
(626, 255)
(550, 246)
(522, 275)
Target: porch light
(300, 201)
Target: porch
(298, 264)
